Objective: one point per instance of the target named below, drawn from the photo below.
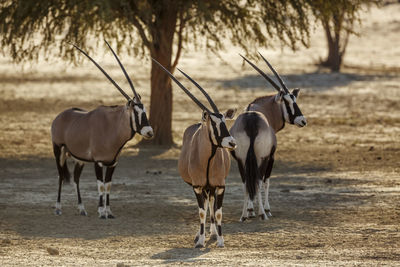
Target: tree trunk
(334, 58)
(161, 90)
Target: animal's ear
(205, 116)
(278, 97)
(296, 92)
(130, 103)
(230, 113)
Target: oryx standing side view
(204, 161)
(97, 136)
(255, 131)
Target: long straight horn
(183, 87)
(276, 74)
(203, 91)
(105, 73)
(262, 74)
(125, 73)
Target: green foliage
(30, 29)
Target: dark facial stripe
(297, 111)
(222, 127)
(143, 122)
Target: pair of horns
(284, 88)
(214, 107)
(108, 76)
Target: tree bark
(163, 30)
(335, 51)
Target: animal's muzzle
(300, 121)
(229, 143)
(147, 132)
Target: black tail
(252, 173)
(62, 170)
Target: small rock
(147, 193)
(53, 251)
(285, 190)
(378, 158)
(300, 188)
(298, 257)
(328, 181)
(120, 264)
(371, 148)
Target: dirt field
(335, 188)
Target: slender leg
(109, 173)
(266, 204)
(202, 201)
(213, 228)
(261, 211)
(218, 215)
(101, 189)
(246, 198)
(250, 209)
(63, 174)
(77, 174)
(266, 184)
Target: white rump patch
(243, 143)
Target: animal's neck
(271, 110)
(205, 142)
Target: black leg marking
(199, 197)
(61, 173)
(270, 164)
(77, 174)
(101, 201)
(219, 228)
(99, 174)
(220, 197)
(202, 228)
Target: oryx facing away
(255, 131)
(97, 136)
(204, 161)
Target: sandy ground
(335, 188)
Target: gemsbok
(204, 161)
(97, 136)
(255, 131)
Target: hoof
(268, 212)
(196, 239)
(220, 243)
(83, 213)
(110, 216)
(251, 213)
(199, 246)
(58, 212)
(103, 217)
(263, 217)
(242, 219)
(213, 237)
